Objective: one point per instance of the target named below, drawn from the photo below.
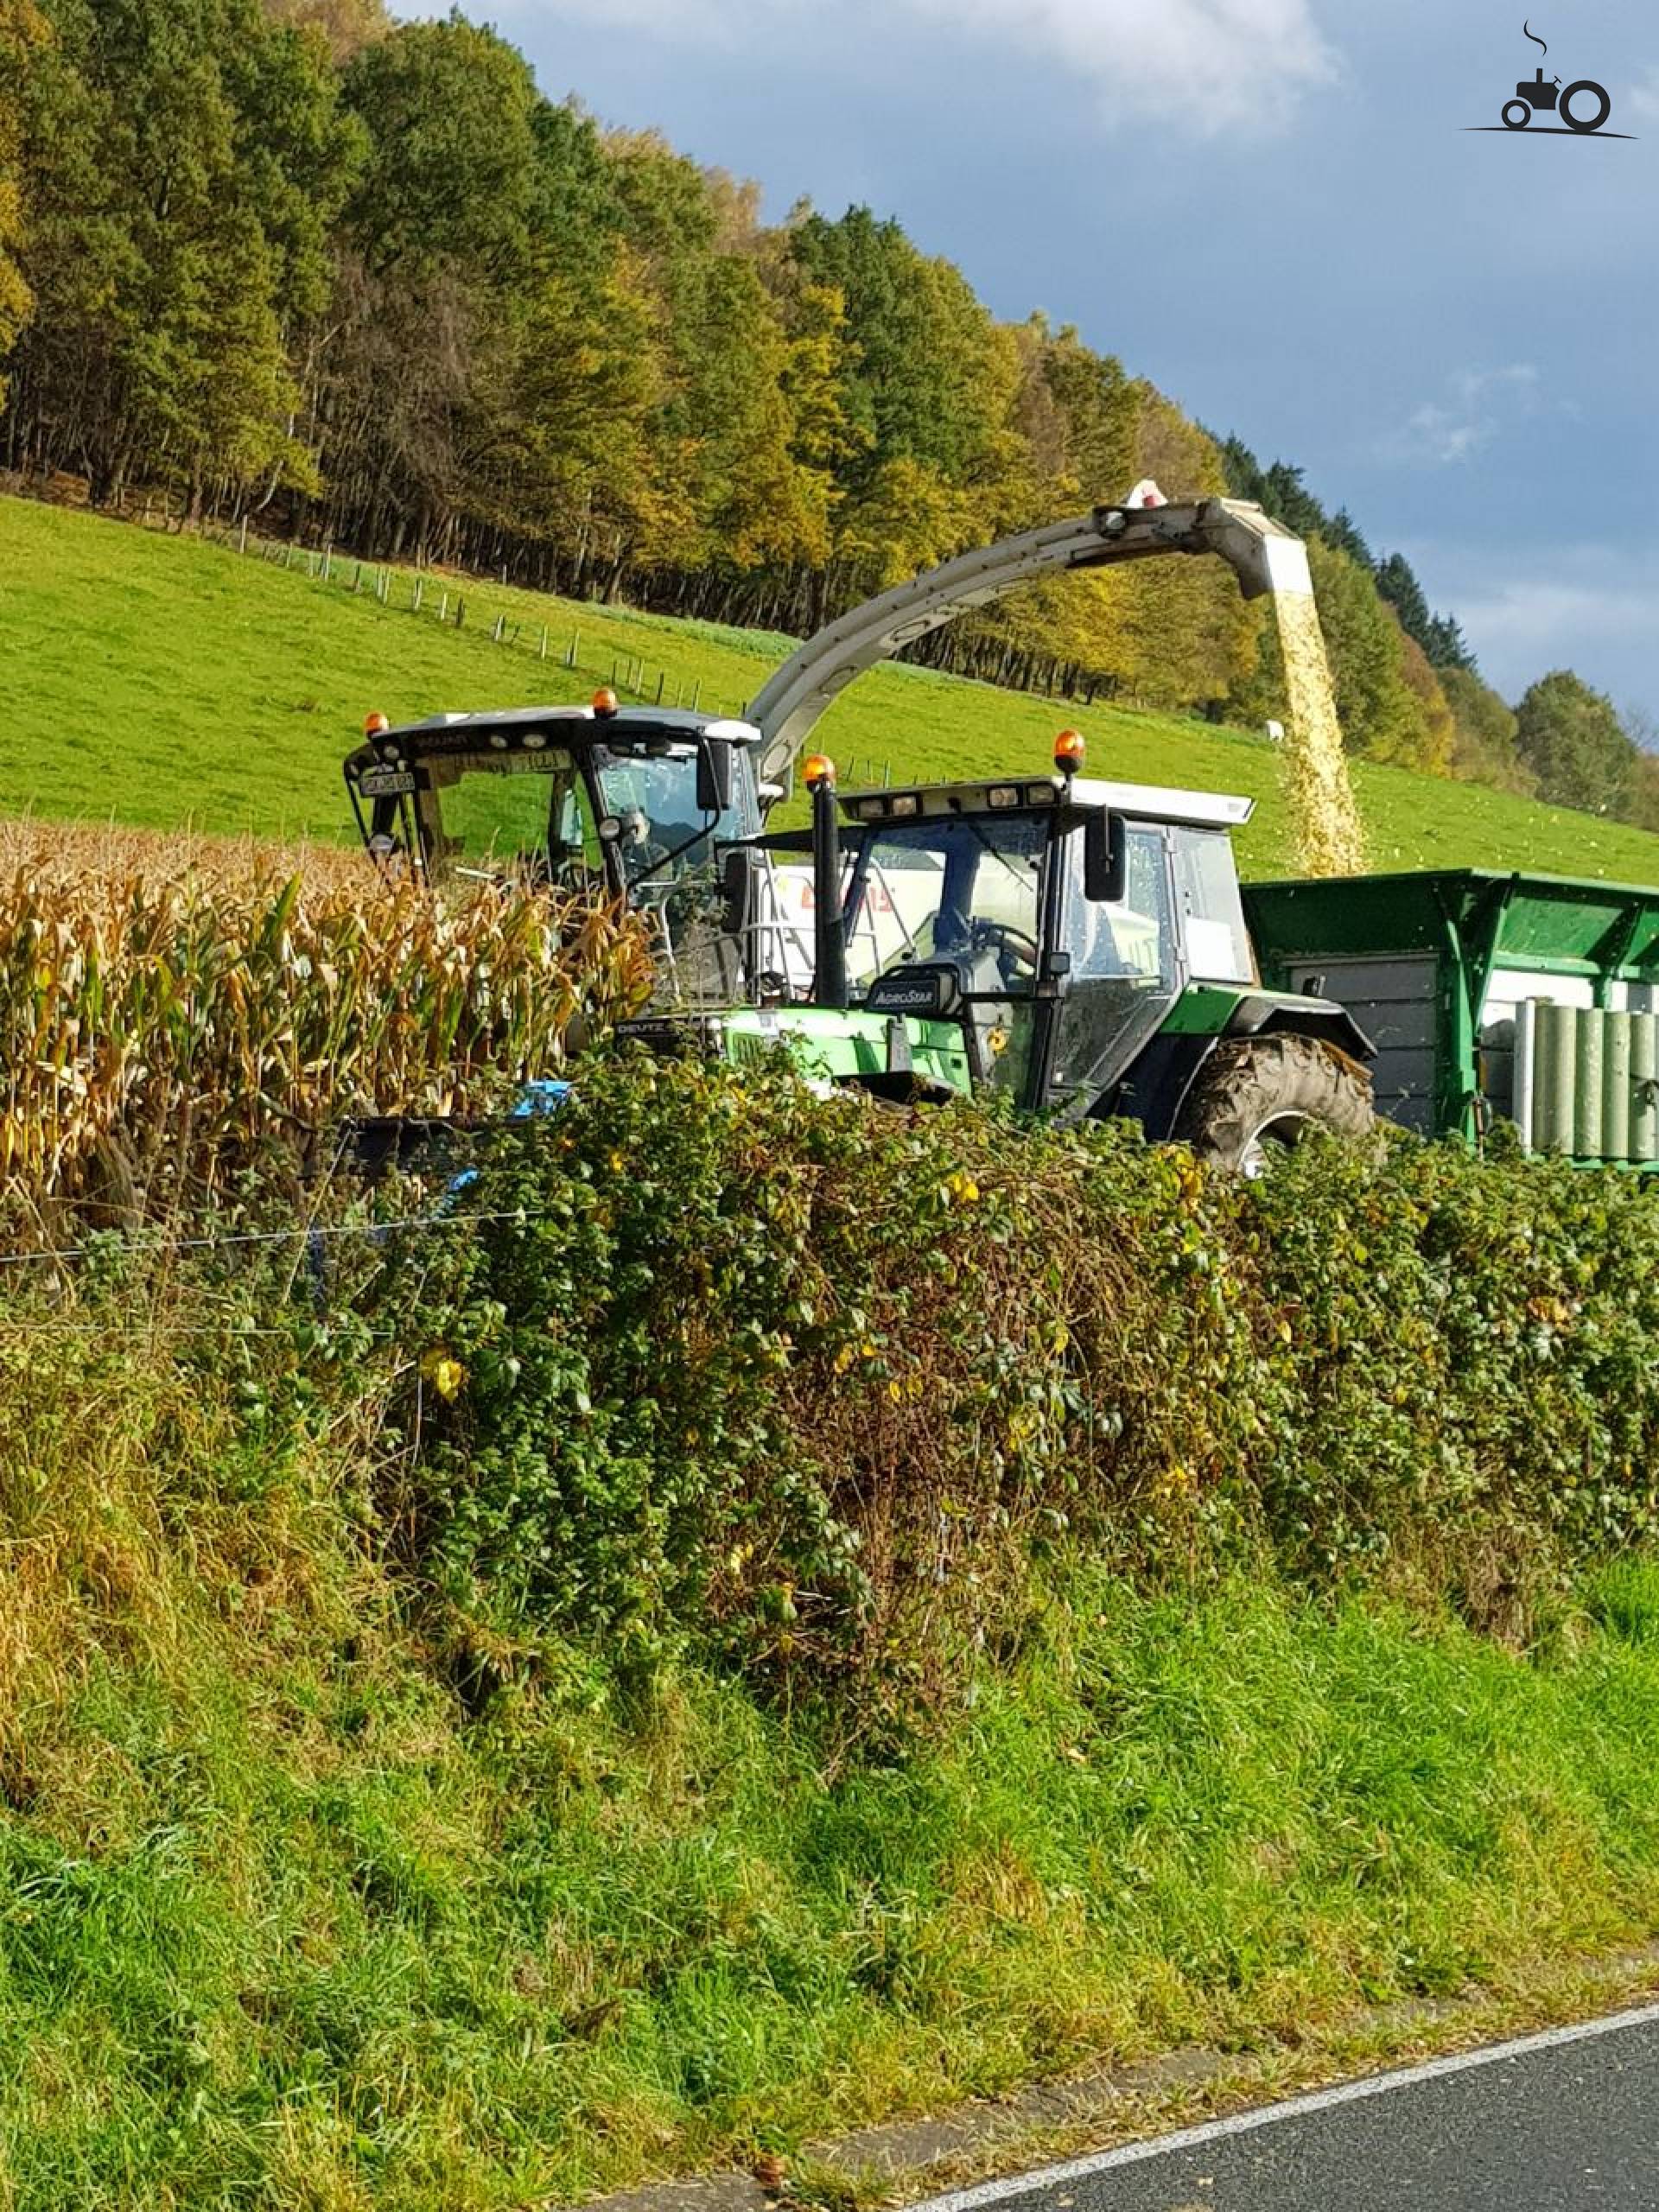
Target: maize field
(170, 1018)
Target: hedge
(816, 1382)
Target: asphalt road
(1562, 2122)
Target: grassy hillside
(152, 680)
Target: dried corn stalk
(159, 1034)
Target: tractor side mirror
(1105, 859)
(739, 880)
(713, 775)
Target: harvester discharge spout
(1266, 558)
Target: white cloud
(1436, 433)
(1473, 386)
(1541, 615)
(1477, 407)
(1644, 100)
(1215, 65)
(1581, 605)
(1208, 66)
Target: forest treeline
(364, 282)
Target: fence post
(461, 610)
(420, 594)
(570, 654)
(443, 609)
(497, 628)
(242, 536)
(543, 655)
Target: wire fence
(444, 602)
(166, 1244)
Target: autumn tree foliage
(359, 277)
(23, 30)
(1571, 739)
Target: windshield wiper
(675, 851)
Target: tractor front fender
(1154, 1090)
(1274, 1013)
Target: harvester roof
(508, 730)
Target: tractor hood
(881, 1053)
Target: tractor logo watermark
(1583, 106)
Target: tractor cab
(651, 806)
(1036, 934)
(1077, 946)
(1057, 922)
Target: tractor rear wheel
(1257, 1097)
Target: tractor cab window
(1132, 939)
(663, 834)
(1125, 967)
(1212, 914)
(963, 888)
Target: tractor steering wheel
(1018, 952)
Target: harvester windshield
(490, 817)
(535, 815)
(661, 830)
(641, 806)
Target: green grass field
(159, 681)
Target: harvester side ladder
(1265, 557)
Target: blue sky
(1272, 208)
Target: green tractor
(1077, 946)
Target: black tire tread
(1248, 1081)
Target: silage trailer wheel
(1257, 1096)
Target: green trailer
(1531, 998)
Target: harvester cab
(651, 806)
(1078, 945)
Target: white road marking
(1246, 2123)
